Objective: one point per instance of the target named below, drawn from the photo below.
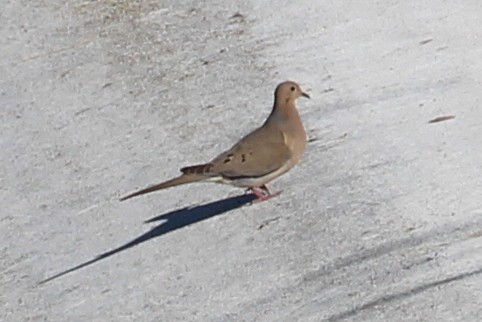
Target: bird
(259, 157)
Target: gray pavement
(382, 220)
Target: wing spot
(243, 157)
(229, 157)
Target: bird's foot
(262, 193)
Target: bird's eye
(292, 88)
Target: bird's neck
(286, 119)
(285, 113)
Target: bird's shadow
(173, 220)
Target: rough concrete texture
(382, 221)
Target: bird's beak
(305, 95)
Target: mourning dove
(259, 157)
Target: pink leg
(263, 193)
(265, 189)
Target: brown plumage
(257, 158)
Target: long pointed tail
(183, 179)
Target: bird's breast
(296, 141)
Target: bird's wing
(257, 154)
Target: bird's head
(288, 92)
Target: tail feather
(183, 179)
(198, 169)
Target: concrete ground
(382, 220)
